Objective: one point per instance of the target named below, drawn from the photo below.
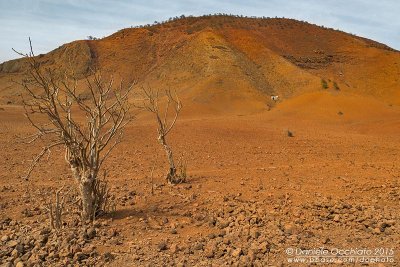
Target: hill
(227, 64)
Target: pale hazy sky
(51, 23)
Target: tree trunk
(86, 187)
(171, 176)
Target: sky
(51, 23)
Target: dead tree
(164, 125)
(87, 129)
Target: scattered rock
(162, 246)
(108, 257)
(174, 248)
(12, 243)
(376, 230)
(237, 252)
(79, 256)
(91, 232)
(336, 218)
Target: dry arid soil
(255, 196)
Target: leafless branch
(88, 129)
(150, 103)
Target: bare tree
(164, 125)
(87, 129)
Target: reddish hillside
(231, 64)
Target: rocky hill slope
(226, 63)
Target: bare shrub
(103, 200)
(165, 122)
(336, 86)
(56, 210)
(88, 130)
(324, 84)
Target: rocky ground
(237, 233)
(252, 194)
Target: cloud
(52, 23)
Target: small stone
(174, 248)
(20, 264)
(4, 238)
(211, 236)
(209, 253)
(288, 228)
(212, 221)
(174, 231)
(43, 255)
(326, 240)
(43, 238)
(108, 256)
(223, 224)
(209, 250)
(34, 258)
(162, 246)
(91, 232)
(79, 256)
(255, 234)
(112, 232)
(65, 253)
(88, 249)
(51, 255)
(26, 256)
(198, 246)
(390, 222)
(264, 247)
(251, 255)
(14, 253)
(135, 257)
(20, 248)
(12, 244)
(115, 242)
(237, 252)
(382, 226)
(376, 231)
(388, 231)
(336, 218)
(226, 240)
(45, 231)
(222, 233)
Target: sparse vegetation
(324, 84)
(92, 38)
(336, 86)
